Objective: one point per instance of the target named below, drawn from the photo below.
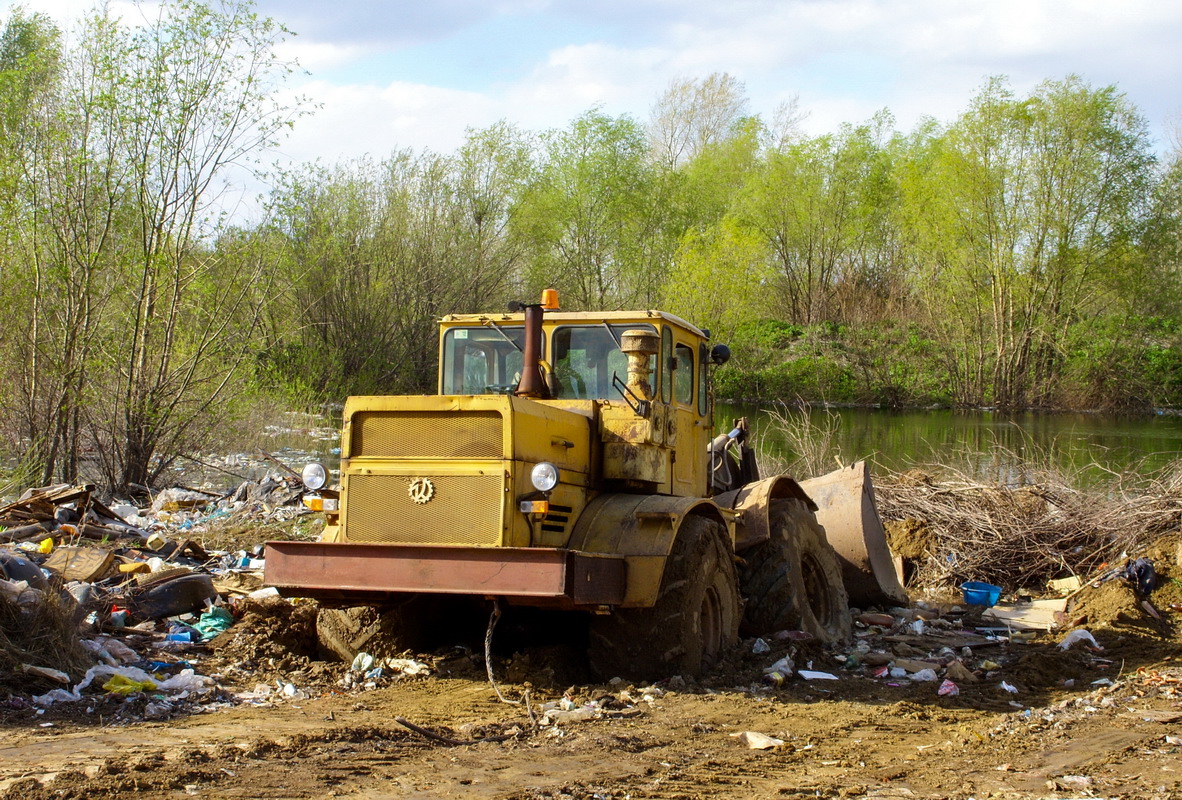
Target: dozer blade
(846, 509)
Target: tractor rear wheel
(695, 618)
(793, 580)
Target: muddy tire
(695, 618)
(793, 581)
(342, 633)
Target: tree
(593, 216)
(378, 251)
(693, 114)
(823, 207)
(113, 149)
(720, 278)
(1031, 217)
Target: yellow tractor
(569, 462)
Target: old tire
(793, 580)
(382, 632)
(695, 618)
(179, 593)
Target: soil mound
(273, 630)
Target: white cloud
(355, 120)
(314, 56)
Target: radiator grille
(428, 434)
(464, 509)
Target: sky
(417, 74)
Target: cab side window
(683, 374)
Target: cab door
(692, 432)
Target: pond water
(990, 445)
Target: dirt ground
(1061, 735)
(1028, 720)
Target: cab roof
(552, 318)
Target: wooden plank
(1038, 615)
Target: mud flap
(847, 511)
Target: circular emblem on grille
(421, 490)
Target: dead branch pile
(1023, 536)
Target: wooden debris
(65, 511)
(1038, 615)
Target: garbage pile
(97, 597)
(988, 653)
(62, 510)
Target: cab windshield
(586, 356)
(482, 359)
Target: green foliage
(1027, 212)
(134, 314)
(376, 252)
(591, 216)
(768, 334)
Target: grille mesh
(464, 509)
(428, 434)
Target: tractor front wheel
(695, 618)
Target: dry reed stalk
(44, 634)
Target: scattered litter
(1069, 783)
(1141, 573)
(558, 716)
(783, 667)
(1009, 687)
(121, 684)
(758, 741)
(813, 675)
(1038, 615)
(948, 689)
(959, 672)
(214, 621)
(760, 647)
(46, 672)
(408, 666)
(1065, 586)
(1079, 635)
(978, 593)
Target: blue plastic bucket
(977, 593)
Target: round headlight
(544, 476)
(314, 476)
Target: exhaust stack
(532, 383)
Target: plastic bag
(1079, 635)
(186, 681)
(214, 621)
(121, 684)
